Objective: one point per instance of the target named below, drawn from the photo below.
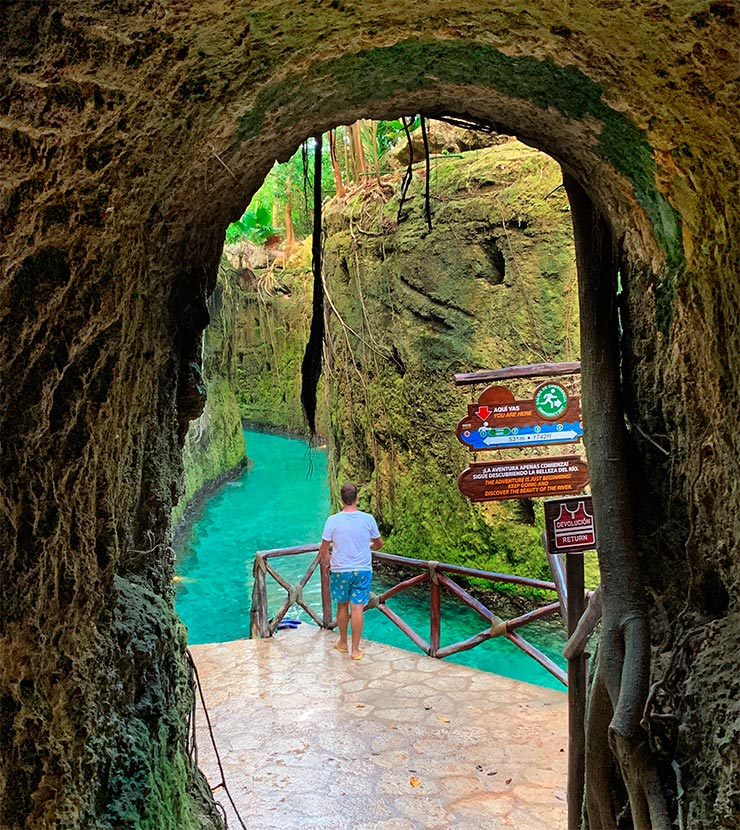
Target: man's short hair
(348, 494)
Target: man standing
(353, 536)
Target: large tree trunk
(620, 690)
(357, 151)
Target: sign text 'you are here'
(499, 421)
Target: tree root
(617, 744)
(600, 806)
(615, 732)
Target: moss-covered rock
(132, 133)
(214, 445)
(272, 328)
(491, 284)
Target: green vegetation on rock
(271, 335)
(154, 791)
(214, 445)
(492, 284)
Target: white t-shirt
(350, 533)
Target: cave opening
(605, 420)
(131, 138)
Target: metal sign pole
(558, 576)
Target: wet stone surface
(395, 741)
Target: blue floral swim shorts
(351, 586)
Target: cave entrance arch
(202, 172)
(610, 229)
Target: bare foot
(358, 655)
(344, 648)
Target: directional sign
(498, 421)
(550, 400)
(527, 478)
(569, 524)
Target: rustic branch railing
(438, 576)
(261, 624)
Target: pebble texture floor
(395, 741)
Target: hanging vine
(312, 359)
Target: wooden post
(435, 612)
(326, 607)
(576, 693)
(260, 626)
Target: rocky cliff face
(272, 328)
(491, 285)
(214, 445)
(129, 136)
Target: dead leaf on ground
(414, 781)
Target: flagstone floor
(395, 741)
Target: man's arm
(376, 544)
(324, 550)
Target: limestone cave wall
(130, 134)
(272, 328)
(214, 447)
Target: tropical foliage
(255, 225)
(355, 155)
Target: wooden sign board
(527, 478)
(569, 524)
(498, 421)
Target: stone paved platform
(396, 741)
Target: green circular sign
(550, 400)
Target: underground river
(281, 500)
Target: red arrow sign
(483, 412)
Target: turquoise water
(281, 500)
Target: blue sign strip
(495, 438)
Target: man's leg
(357, 621)
(343, 622)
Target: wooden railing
(262, 625)
(437, 574)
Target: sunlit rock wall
(272, 329)
(493, 284)
(214, 447)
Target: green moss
(272, 332)
(492, 284)
(470, 294)
(153, 773)
(665, 297)
(154, 796)
(214, 444)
